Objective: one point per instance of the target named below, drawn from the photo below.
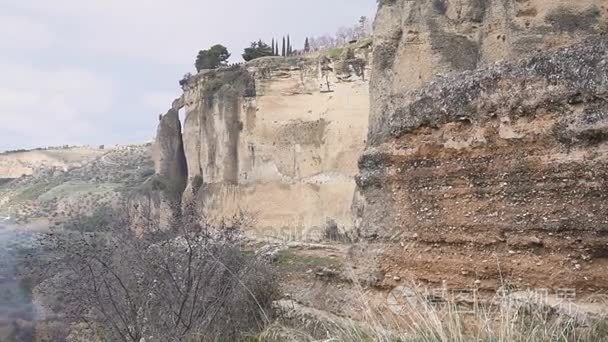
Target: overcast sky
(100, 71)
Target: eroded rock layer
(499, 171)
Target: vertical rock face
(215, 101)
(155, 203)
(471, 159)
(279, 139)
(169, 157)
(416, 40)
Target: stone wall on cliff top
(278, 139)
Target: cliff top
(362, 47)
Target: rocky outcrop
(154, 204)
(469, 160)
(513, 146)
(169, 157)
(416, 40)
(278, 139)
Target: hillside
(74, 181)
(14, 164)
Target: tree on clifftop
(256, 50)
(283, 49)
(212, 58)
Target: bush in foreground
(193, 283)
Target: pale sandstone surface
(278, 139)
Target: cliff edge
(276, 138)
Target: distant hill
(58, 183)
(14, 164)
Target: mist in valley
(17, 310)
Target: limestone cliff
(470, 161)
(154, 203)
(169, 158)
(277, 138)
(416, 40)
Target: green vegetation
(335, 52)
(290, 259)
(96, 180)
(274, 47)
(72, 188)
(284, 48)
(230, 78)
(33, 191)
(212, 58)
(98, 221)
(256, 50)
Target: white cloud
(156, 31)
(74, 71)
(171, 32)
(158, 101)
(52, 106)
(23, 33)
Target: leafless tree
(191, 283)
(362, 29)
(344, 34)
(322, 42)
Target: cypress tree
(306, 45)
(284, 51)
(273, 51)
(288, 46)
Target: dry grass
(418, 319)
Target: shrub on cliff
(212, 58)
(256, 50)
(100, 218)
